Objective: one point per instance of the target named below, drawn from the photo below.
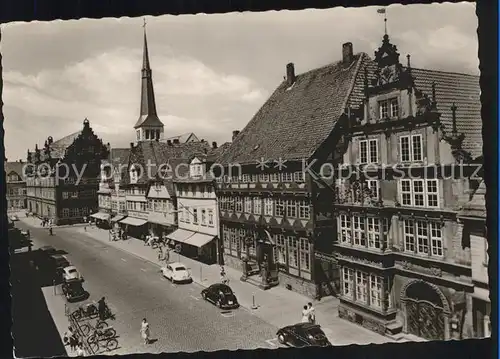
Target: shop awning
(199, 239)
(131, 221)
(117, 218)
(180, 235)
(101, 215)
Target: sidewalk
(277, 306)
(36, 222)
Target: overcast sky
(211, 73)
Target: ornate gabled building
(407, 167)
(274, 211)
(62, 177)
(16, 185)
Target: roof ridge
(444, 72)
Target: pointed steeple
(148, 115)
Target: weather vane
(382, 11)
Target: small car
(73, 291)
(48, 250)
(177, 273)
(220, 295)
(70, 273)
(14, 218)
(303, 335)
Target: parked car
(14, 218)
(74, 291)
(48, 250)
(303, 335)
(220, 295)
(58, 262)
(70, 273)
(177, 273)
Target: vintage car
(70, 273)
(73, 291)
(220, 295)
(177, 273)
(302, 335)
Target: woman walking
(305, 315)
(145, 331)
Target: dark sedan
(74, 291)
(220, 295)
(303, 335)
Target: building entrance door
(424, 312)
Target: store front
(195, 245)
(134, 227)
(102, 219)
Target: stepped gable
(295, 121)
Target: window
(287, 177)
(210, 217)
(304, 209)
(230, 203)
(368, 151)
(280, 250)
(280, 207)
(361, 286)
(389, 108)
(238, 204)
(268, 206)
(293, 255)
(305, 262)
(138, 135)
(248, 205)
(225, 234)
(264, 177)
(420, 193)
(373, 232)
(195, 215)
(187, 215)
(245, 178)
(143, 206)
(257, 205)
(203, 217)
(376, 291)
(235, 243)
(409, 235)
(65, 212)
(411, 148)
(347, 282)
(275, 177)
(436, 239)
(345, 229)
(359, 230)
(291, 208)
(422, 237)
(373, 186)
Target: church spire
(148, 115)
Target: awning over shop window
(131, 221)
(180, 235)
(101, 215)
(199, 239)
(117, 218)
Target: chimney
(214, 145)
(290, 74)
(235, 133)
(50, 140)
(347, 55)
(20, 161)
(169, 142)
(131, 145)
(176, 141)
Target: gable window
(389, 108)
(411, 148)
(419, 193)
(368, 151)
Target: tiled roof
(214, 154)
(157, 154)
(295, 121)
(476, 207)
(58, 148)
(119, 155)
(182, 138)
(464, 91)
(16, 167)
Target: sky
(211, 73)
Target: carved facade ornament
(434, 271)
(455, 139)
(359, 260)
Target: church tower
(148, 127)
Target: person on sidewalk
(160, 254)
(79, 351)
(101, 308)
(223, 278)
(145, 331)
(305, 314)
(312, 313)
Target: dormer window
(389, 108)
(134, 175)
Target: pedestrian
(50, 231)
(305, 315)
(101, 307)
(145, 331)
(73, 341)
(79, 351)
(160, 254)
(85, 228)
(312, 313)
(28, 233)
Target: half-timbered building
(63, 176)
(273, 213)
(405, 262)
(16, 185)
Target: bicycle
(87, 311)
(87, 328)
(101, 334)
(109, 344)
